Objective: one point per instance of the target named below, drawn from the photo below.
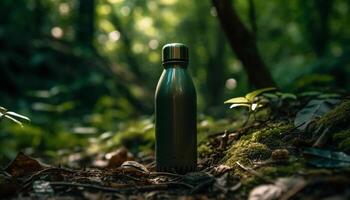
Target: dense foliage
(80, 71)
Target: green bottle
(175, 113)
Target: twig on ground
(202, 185)
(32, 178)
(165, 174)
(162, 186)
(252, 171)
(5, 173)
(294, 190)
(322, 140)
(270, 162)
(133, 178)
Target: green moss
(245, 151)
(271, 136)
(203, 149)
(342, 140)
(338, 117)
(256, 145)
(282, 170)
(342, 135)
(345, 145)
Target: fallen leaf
(314, 109)
(266, 192)
(221, 169)
(275, 191)
(327, 159)
(24, 165)
(134, 168)
(117, 158)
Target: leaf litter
(122, 175)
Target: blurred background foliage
(85, 71)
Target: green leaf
(288, 96)
(314, 109)
(329, 96)
(238, 100)
(13, 114)
(2, 109)
(251, 96)
(270, 96)
(310, 94)
(326, 158)
(14, 120)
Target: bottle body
(175, 121)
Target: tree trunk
(316, 16)
(243, 44)
(216, 71)
(252, 18)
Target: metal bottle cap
(174, 53)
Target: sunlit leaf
(251, 96)
(254, 106)
(2, 109)
(14, 120)
(239, 105)
(237, 100)
(13, 114)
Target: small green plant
(250, 100)
(15, 117)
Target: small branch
(33, 177)
(165, 174)
(322, 140)
(202, 186)
(145, 188)
(252, 171)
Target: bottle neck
(182, 65)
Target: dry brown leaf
(117, 158)
(23, 165)
(134, 168)
(221, 169)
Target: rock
(280, 154)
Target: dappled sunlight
(80, 117)
(57, 32)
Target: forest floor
(263, 160)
